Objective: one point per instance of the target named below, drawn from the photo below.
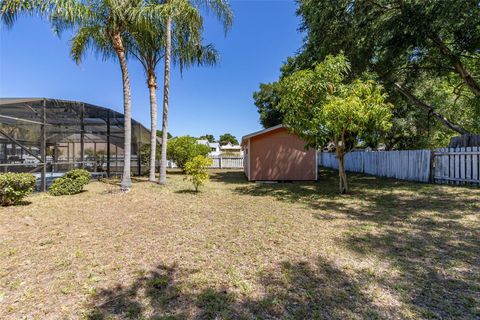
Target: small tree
(183, 149)
(226, 138)
(196, 171)
(321, 107)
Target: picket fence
(447, 165)
(220, 162)
(230, 162)
(457, 165)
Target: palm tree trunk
(166, 89)
(152, 87)
(126, 183)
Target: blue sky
(35, 63)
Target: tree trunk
(152, 87)
(430, 109)
(126, 183)
(166, 90)
(342, 175)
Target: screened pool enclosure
(48, 137)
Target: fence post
(431, 178)
(43, 147)
(220, 162)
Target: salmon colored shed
(274, 154)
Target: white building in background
(214, 147)
(231, 149)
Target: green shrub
(14, 187)
(79, 174)
(71, 183)
(196, 171)
(145, 153)
(183, 149)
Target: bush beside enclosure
(71, 183)
(14, 187)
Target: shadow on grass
(22, 203)
(370, 198)
(187, 191)
(110, 181)
(422, 230)
(438, 263)
(175, 172)
(293, 290)
(228, 176)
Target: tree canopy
(266, 99)
(208, 137)
(183, 149)
(425, 53)
(159, 134)
(226, 138)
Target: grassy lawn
(389, 250)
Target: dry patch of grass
(388, 250)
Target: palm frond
(221, 8)
(91, 38)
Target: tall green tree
(322, 106)
(413, 46)
(147, 44)
(266, 100)
(223, 12)
(226, 138)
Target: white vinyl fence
(447, 165)
(221, 162)
(413, 165)
(230, 162)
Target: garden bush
(71, 183)
(14, 187)
(183, 149)
(79, 174)
(196, 171)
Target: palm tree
(104, 30)
(222, 9)
(101, 25)
(147, 44)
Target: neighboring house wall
(230, 149)
(214, 147)
(279, 155)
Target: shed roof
(257, 133)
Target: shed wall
(279, 155)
